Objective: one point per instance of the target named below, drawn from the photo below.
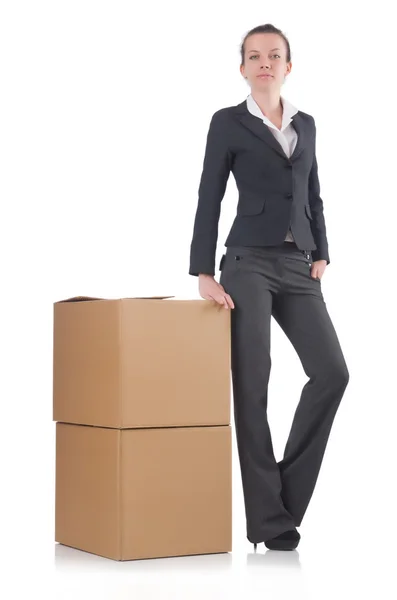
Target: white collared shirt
(286, 136)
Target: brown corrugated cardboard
(141, 362)
(143, 493)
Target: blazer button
(288, 196)
(289, 166)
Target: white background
(105, 108)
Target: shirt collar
(289, 110)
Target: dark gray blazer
(275, 192)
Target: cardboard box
(141, 362)
(142, 493)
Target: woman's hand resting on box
(210, 289)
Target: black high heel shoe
(288, 540)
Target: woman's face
(265, 53)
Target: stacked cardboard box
(141, 397)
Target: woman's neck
(270, 104)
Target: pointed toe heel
(288, 540)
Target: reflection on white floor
(73, 560)
(204, 577)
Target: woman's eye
(256, 55)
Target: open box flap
(85, 298)
(79, 299)
(148, 297)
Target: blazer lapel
(261, 130)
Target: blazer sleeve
(216, 169)
(317, 210)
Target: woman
(277, 253)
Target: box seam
(119, 493)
